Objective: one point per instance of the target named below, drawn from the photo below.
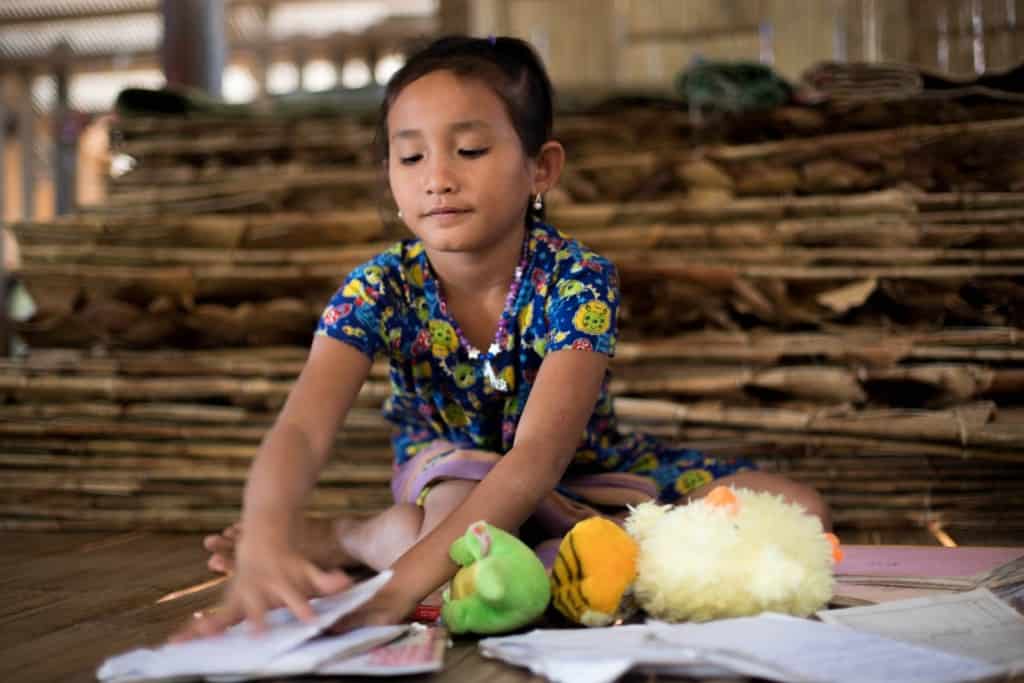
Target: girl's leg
(318, 541)
(793, 491)
(380, 541)
(345, 542)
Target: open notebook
(290, 647)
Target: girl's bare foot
(320, 542)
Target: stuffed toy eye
(479, 531)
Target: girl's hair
(508, 66)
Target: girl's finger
(327, 583)
(214, 622)
(187, 631)
(254, 606)
(367, 615)
(206, 623)
(209, 622)
(297, 603)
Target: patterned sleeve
(582, 307)
(353, 313)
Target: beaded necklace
(501, 336)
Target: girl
(498, 329)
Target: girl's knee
(810, 498)
(449, 491)
(793, 491)
(443, 498)
(406, 519)
(400, 524)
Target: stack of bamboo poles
(844, 306)
(163, 439)
(259, 165)
(887, 259)
(328, 165)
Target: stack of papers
(975, 624)
(870, 574)
(770, 646)
(290, 647)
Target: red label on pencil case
(426, 614)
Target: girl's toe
(218, 544)
(219, 563)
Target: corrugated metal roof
(12, 10)
(33, 29)
(318, 19)
(85, 37)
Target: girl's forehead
(443, 98)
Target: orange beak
(723, 497)
(837, 552)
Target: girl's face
(455, 164)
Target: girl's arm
(560, 404)
(299, 444)
(270, 571)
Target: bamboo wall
(608, 44)
(837, 292)
(605, 44)
(956, 37)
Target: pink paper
(922, 561)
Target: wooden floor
(70, 600)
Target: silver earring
(400, 214)
(538, 202)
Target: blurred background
(63, 62)
(816, 208)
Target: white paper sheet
(976, 624)
(769, 646)
(598, 655)
(238, 650)
(313, 654)
(805, 650)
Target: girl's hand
(268, 575)
(391, 605)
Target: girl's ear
(548, 166)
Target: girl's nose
(439, 178)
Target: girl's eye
(474, 153)
(409, 160)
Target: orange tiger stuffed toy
(592, 576)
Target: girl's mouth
(445, 211)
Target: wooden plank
(161, 561)
(77, 598)
(15, 547)
(39, 612)
(27, 142)
(64, 632)
(73, 653)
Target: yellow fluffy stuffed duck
(735, 552)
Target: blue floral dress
(568, 298)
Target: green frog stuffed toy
(501, 586)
